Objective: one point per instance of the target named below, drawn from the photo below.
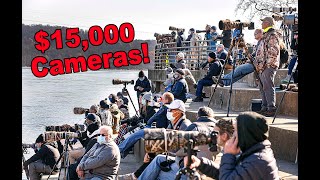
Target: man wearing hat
(170, 80)
(142, 84)
(180, 87)
(266, 63)
(43, 160)
(215, 68)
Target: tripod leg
(230, 91)
(132, 102)
(294, 69)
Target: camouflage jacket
(268, 51)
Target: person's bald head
(106, 131)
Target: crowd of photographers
(110, 134)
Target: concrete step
(242, 95)
(283, 133)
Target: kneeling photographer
(44, 159)
(163, 167)
(247, 155)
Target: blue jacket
(144, 84)
(160, 117)
(214, 70)
(180, 89)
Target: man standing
(267, 62)
(142, 84)
(102, 160)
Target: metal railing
(196, 52)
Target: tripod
(66, 162)
(293, 71)
(124, 89)
(237, 42)
(192, 173)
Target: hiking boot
(198, 99)
(269, 113)
(129, 176)
(204, 95)
(215, 80)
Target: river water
(50, 100)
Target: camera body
(51, 136)
(201, 31)
(283, 9)
(228, 25)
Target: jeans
(130, 141)
(239, 72)
(36, 168)
(201, 83)
(291, 65)
(268, 94)
(154, 172)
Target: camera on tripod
(283, 9)
(51, 136)
(156, 139)
(118, 81)
(201, 31)
(228, 25)
(172, 28)
(288, 19)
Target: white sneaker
(129, 176)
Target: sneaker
(215, 80)
(262, 110)
(286, 80)
(198, 99)
(129, 176)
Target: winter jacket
(180, 89)
(268, 51)
(102, 161)
(145, 84)
(47, 153)
(160, 117)
(214, 70)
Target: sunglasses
(103, 134)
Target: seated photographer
(105, 114)
(117, 116)
(294, 47)
(102, 160)
(180, 87)
(43, 161)
(241, 70)
(93, 109)
(226, 37)
(159, 118)
(250, 140)
(142, 84)
(123, 108)
(112, 98)
(215, 67)
(159, 169)
(181, 64)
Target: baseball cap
(180, 54)
(268, 19)
(147, 96)
(177, 104)
(92, 117)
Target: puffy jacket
(268, 51)
(180, 89)
(47, 153)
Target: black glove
(173, 66)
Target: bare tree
(260, 8)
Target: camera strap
(165, 142)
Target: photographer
(142, 84)
(256, 160)
(241, 70)
(159, 118)
(170, 79)
(180, 87)
(294, 47)
(226, 37)
(215, 67)
(212, 35)
(205, 123)
(43, 160)
(125, 100)
(105, 114)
